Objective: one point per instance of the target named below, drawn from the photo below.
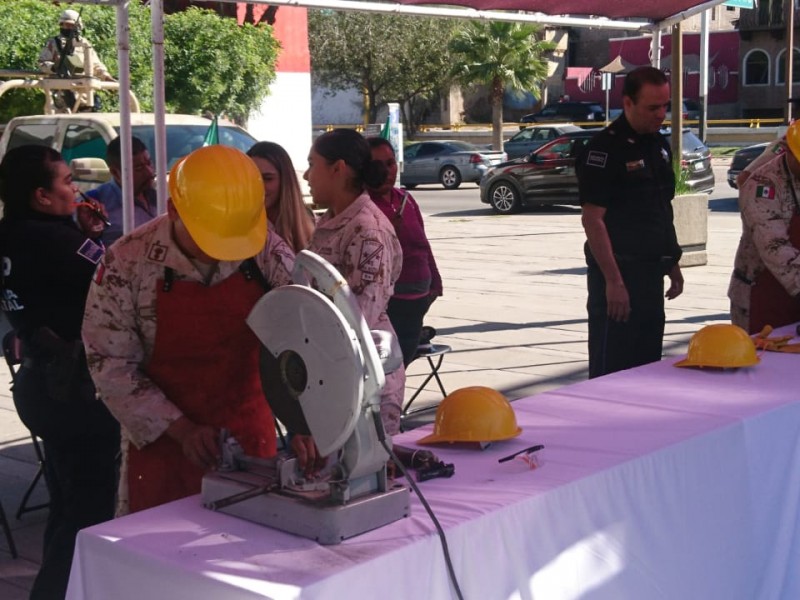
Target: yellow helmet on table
(473, 414)
(721, 345)
(219, 195)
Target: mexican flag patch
(765, 191)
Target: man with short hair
(145, 206)
(626, 185)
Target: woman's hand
(92, 218)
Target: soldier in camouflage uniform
(358, 239)
(765, 283)
(65, 56)
(166, 337)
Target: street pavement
(513, 313)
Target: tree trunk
(497, 114)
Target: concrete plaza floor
(513, 313)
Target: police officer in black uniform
(626, 184)
(47, 265)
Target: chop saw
(322, 375)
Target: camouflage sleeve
(48, 56)
(116, 354)
(770, 152)
(277, 260)
(99, 69)
(767, 213)
(368, 266)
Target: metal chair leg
(7, 530)
(23, 505)
(434, 374)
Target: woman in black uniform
(47, 264)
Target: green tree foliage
(213, 64)
(210, 62)
(390, 58)
(500, 55)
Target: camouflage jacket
(767, 202)
(119, 326)
(361, 243)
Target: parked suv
(563, 112)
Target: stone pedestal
(691, 225)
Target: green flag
(212, 135)
(385, 129)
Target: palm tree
(500, 55)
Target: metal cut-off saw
(322, 375)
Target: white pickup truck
(81, 138)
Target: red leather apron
(205, 360)
(770, 303)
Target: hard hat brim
(435, 438)
(690, 363)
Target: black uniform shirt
(630, 175)
(47, 266)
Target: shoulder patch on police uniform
(778, 148)
(596, 159)
(765, 191)
(91, 251)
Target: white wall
(285, 116)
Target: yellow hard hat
(219, 195)
(793, 139)
(721, 345)
(473, 414)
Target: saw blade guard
(324, 360)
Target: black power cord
(442, 538)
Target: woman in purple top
(419, 283)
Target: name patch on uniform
(765, 191)
(91, 251)
(634, 165)
(596, 159)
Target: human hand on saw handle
(200, 443)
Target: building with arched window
(763, 54)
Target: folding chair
(7, 530)
(12, 351)
(430, 352)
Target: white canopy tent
(643, 16)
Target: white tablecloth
(657, 482)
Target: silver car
(447, 162)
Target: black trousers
(81, 447)
(406, 317)
(614, 345)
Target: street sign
(606, 81)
